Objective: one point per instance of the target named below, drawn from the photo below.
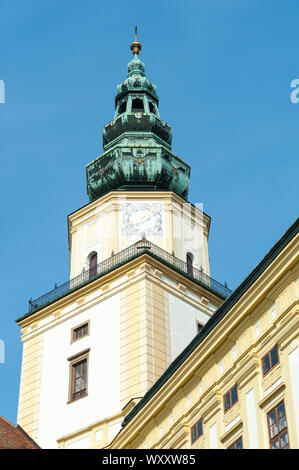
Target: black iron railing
(124, 256)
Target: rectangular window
(277, 426)
(230, 398)
(78, 375)
(270, 360)
(196, 430)
(238, 444)
(80, 331)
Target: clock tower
(146, 181)
(139, 289)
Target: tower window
(93, 261)
(137, 106)
(78, 375)
(80, 331)
(122, 107)
(79, 379)
(189, 260)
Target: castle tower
(139, 288)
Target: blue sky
(223, 70)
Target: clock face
(142, 219)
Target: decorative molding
(277, 391)
(236, 427)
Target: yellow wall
(28, 411)
(268, 313)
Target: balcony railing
(123, 257)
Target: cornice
(140, 268)
(105, 280)
(213, 405)
(248, 368)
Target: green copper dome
(137, 80)
(137, 143)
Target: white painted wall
(57, 418)
(213, 436)
(252, 420)
(183, 324)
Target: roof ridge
(7, 421)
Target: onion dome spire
(137, 142)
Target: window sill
(270, 370)
(197, 439)
(74, 400)
(78, 339)
(231, 407)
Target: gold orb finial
(135, 46)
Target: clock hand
(145, 219)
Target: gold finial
(135, 46)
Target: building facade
(139, 289)
(236, 385)
(141, 348)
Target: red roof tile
(14, 437)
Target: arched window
(93, 261)
(189, 260)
